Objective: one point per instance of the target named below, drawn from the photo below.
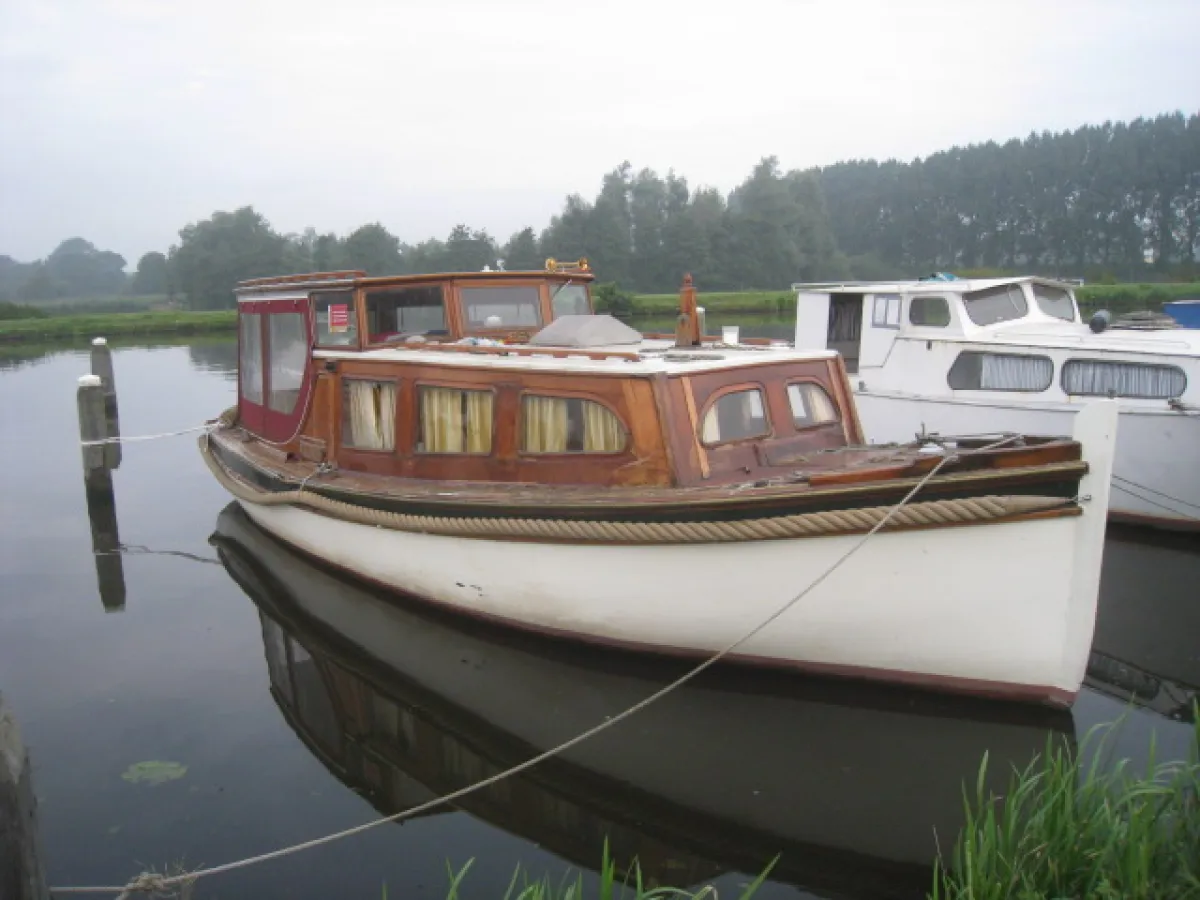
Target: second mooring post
(21, 876)
(95, 425)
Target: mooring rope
(152, 882)
(828, 522)
(119, 439)
(1132, 487)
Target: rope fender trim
(933, 513)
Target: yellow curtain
(822, 406)
(441, 420)
(544, 424)
(479, 421)
(602, 431)
(371, 414)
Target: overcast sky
(123, 120)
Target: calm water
(288, 730)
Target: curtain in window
(1123, 379)
(602, 431)
(479, 421)
(371, 414)
(454, 421)
(441, 420)
(544, 424)
(1015, 373)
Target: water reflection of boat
(848, 782)
(1145, 647)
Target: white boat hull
(1003, 608)
(1157, 463)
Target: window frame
(885, 321)
(460, 303)
(800, 429)
(569, 454)
(418, 451)
(1006, 390)
(552, 289)
(1071, 299)
(398, 383)
(447, 332)
(1020, 287)
(1118, 362)
(270, 424)
(357, 298)
(945, 301)
(715, 397)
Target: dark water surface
(289, 730)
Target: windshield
(1054, 302)
(996, 304)
(570, 300)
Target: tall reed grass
(629, 887)
(1074, 828)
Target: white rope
(1126, 484)
(152, 882)
(207, 426)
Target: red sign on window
(339, 317)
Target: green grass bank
(87, 325)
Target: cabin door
(274, 356)
(845, 327)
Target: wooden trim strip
(691, 409)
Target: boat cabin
(511, 377)
(949, 337)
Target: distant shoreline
(1117, 298)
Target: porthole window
(976, 371)
(1100, 378)
(735, 416)
(810, 405)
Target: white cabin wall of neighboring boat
(812, 320)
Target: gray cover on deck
(585, 331)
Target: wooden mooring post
(95, 423)
(21, 875)
(102, 368)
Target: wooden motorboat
(487, 442)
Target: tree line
(1112, 201)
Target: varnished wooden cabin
(458, 376)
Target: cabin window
(287, 337)
(1090, 377)
(973, 371)
(1054, 302)
(500, 307)
(996, 304)
(369, 414)
(313, 703)
(401, 313)
(454, 421)
(810, 405)
(569, 425)
(734, 417)
(570, 300)
(886, 312)
(336, 323)
(275, 650)
(250, 364)
(929, 311)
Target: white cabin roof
(654, 356)
(957, 285)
